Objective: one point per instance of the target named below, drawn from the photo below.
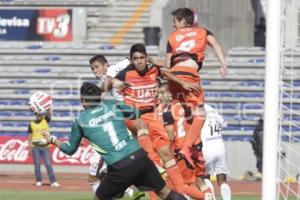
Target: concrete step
(124, 42)
(138, 35)
(123, 13)
(134, 30)
(118, 25)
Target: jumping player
(127, 163)
(185, 54)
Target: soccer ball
(40, 103)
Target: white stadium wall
(232, 21)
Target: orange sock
(178, 182)
(194, 131)
(146, 144)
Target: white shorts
(215, 158)
(97, 164)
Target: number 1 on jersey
(110, 129)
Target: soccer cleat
(38, 184)
(55, 184)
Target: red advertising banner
(15, 150)
(55, 24)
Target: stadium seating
(54, 3)
(60, 70)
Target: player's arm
(169, 76)
(129, 112)
(106, 84)
(168, 55)
(157, 61)
(109, 81)
(29, 131)
(71, 146)
(212, 41)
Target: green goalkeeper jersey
(106, 131)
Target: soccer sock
(178, 182)
(225, 191)
(153, 196)
(146, 144)
(129, 191)
(95, 185)
(194, 131)
(210, 185)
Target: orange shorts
(189, 75)
(157, 132)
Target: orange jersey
(140, 89)
(191, 40)
(174, 114)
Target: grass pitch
(48, 195)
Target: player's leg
(224, 187)
(150, 179)
(161, 143)
(193, 100)
(36, 155)
(50, 171)
(199, 170)
(194, 132)
(96, 163)
(222, 171)
(143, 137)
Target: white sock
(129, 192)
(95, 185)
(211, 187)
(225, 191)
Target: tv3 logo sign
(57, 26)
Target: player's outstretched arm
(156, 61)
(168, 60)
(69, 147)
(212, 41)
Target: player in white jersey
(103, 71)
(214, 149)
(98, 169)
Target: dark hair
(137, 48)
(99, 58)
(90, 92)
(184, 13)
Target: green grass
(44, 195)
(59, 195)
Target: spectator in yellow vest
(39, 153)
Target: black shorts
(138, 170)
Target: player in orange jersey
(172, 116)
(140, 84)
(185, 54)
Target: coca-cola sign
(16, 150)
